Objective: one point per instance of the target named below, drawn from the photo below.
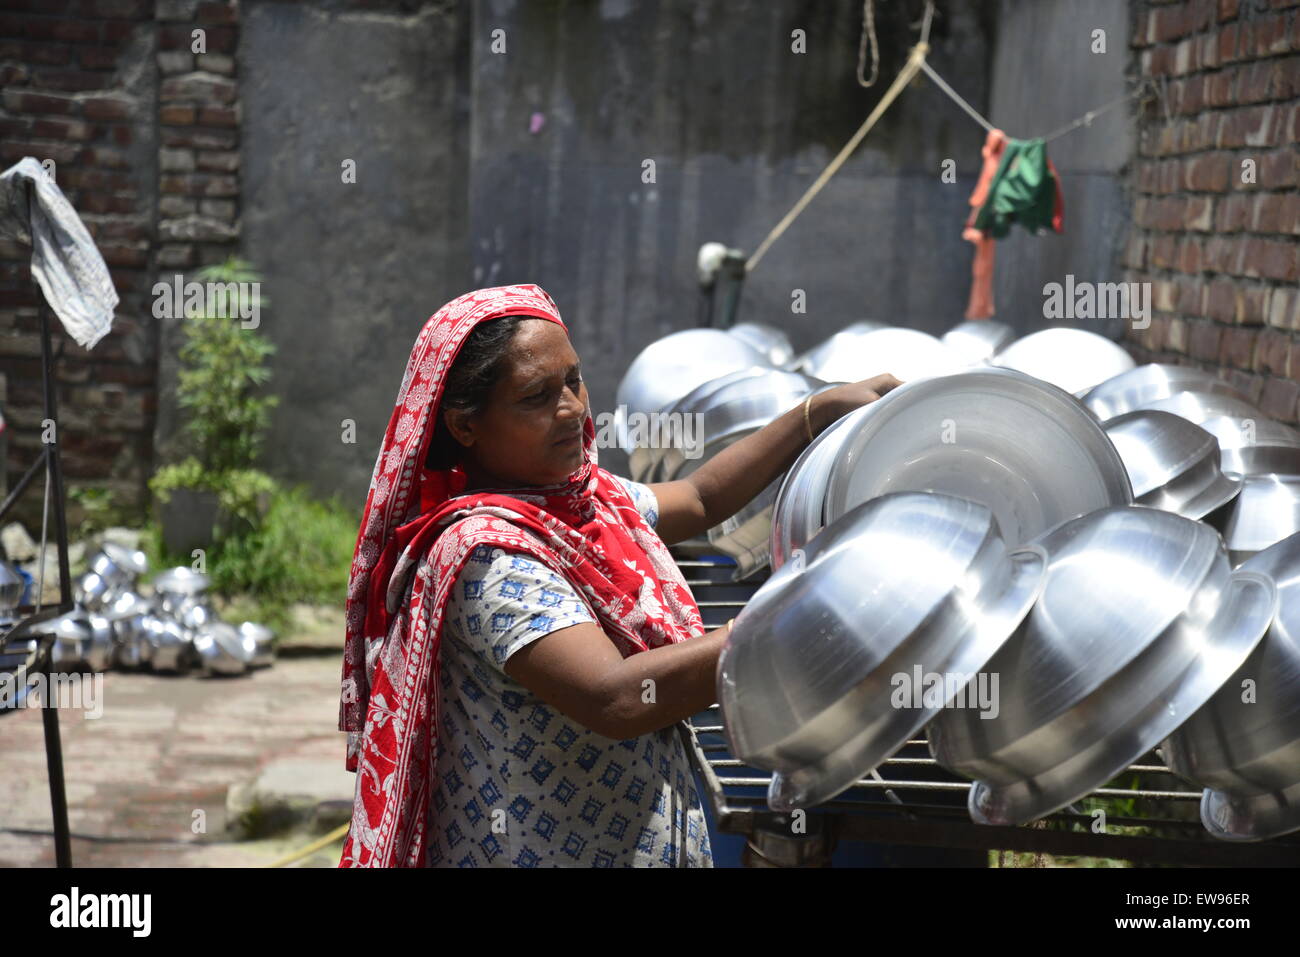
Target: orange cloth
(980, 305)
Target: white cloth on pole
(65, 261)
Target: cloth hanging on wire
(1017, 184)
(65, 261)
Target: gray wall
(455, 191)
(352, 270)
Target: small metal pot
(264, 642)
(222, 650)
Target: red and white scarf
(418, 529)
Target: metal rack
(38, 659)
(910, 800)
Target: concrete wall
(352, 269)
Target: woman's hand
(827, 408)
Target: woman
(520, 643)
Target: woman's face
(530, 433)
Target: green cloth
(1023, 190)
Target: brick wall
(1222, 253)
(144, 134)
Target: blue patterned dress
(519, 784)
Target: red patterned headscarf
(418, 529)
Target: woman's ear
(460, 424)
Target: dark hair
(469, 383)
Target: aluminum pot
(170, 642)
(179, 583)
(798, 512)
(1023, 447)
(1172, 464)
(1138, 387)
(844, 340)
(1266, 511)
(118, 565)
(1199, 407)
(222, 650)
(769, 340)
(1071, 359)
(804, 681)
(1141, 620)
(978, 340)
(263, 643)
(730, 412)
(906, 353)
(1243, 746)
(1255, 446)
(670, 367)
(94, 592)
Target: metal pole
(50, 706)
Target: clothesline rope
(916, 62)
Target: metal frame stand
(49, 460)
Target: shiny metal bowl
(728, 412)
(1172, 464)
(799, 510)
(1200, 407)
(1254, 445)
(263, 643)
(1024, 448)
(170, 644)
(978, 340)
(906, 353)
(1071, 359)
(222, 650)
(1141, 620)
(1266, 511)
(769, 340)
(904, 582)
(118, 565)
(181, 580)
(1138, 387)
(820, 354)
(1243, 746)
(670, 367)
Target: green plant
(97, 507)
(224, 369)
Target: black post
(50, 706)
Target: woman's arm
(727, 482)
(578, 671)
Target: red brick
(1229, 40)
(1282, 307)
(1266, 213)
(174, 115)
(1221, 303)
(107, 108)
(61, 153)
(1270, 259)
(1204, 341)
(1227, 9)
(1207, 172)
(218, 116)
(1237, 347)
(1199, 214)
(1168, 23)
(72, 80)
(97, 58)
(1273, 353)
(1278, 399)
(120, 9)
(61, 129)
(19, 101)
(218, 13)
(1189, 256)
(1252, 305)
(1191, 297)
(1289, 217)
(1277, 170)
(1270, 35)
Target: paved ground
(164, 748)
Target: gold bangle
(807, 419)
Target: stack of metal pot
(175, 630)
